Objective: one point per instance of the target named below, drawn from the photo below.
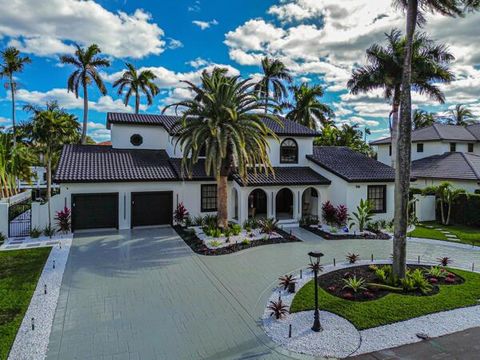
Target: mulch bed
(200, 248)
(333, 283)
(328, 236)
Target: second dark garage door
(94, 211)
(152, 208)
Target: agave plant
(286, 280)
(354, 284)
(268, 226)
(352, 258)
(278, 309)
(444, 261)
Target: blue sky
(320, 40)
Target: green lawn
(466, 234)
(19, 273)
(393, 307)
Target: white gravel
(221, 241)
(340, 338)
(32, 344)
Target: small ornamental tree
(341, 215)
(180, 214)
(329, 213)
(63, 219)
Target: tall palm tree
(414, 14)
(422, 119)
(430, 64)
(12, 63)
(47, 132)
(223, 118)
(461, 115)
(275, 75)
(15, 162)
(86, 63)
(307, 108)
(137, 83)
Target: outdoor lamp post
(315, 262)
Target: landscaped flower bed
(208, 240)
(333, 233)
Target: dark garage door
(94, 211)
(152, 208)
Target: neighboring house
(37, 183)
(138, 180)
(441, 153)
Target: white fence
(40, 212)
(5, 203)
(425, 207)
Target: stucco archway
(310, 202)
(284, 204)
(257, 204)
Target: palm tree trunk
(14, 125)
(403, 151)
(137, 102)
(267, 85)
(449, 211)
(442, 211)
(395, 121)
(85, 113)
(49, 189)
(222, 202)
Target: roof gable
(170, 123)
(350, 165)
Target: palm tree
(461, 116)
(137, 83)
(275, 75)
(403, 148)
(47, 132)
(422, 119)
(15, 162)
(384, 71)
(12, 63)
(223, 119)
(348, 135)
(307, 108)
(87, 64)
(446, 195)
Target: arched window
(288, 152)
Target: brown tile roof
(439, 132)
(285, 176)
(454, 165)
(98, 163)
(170, 123)
(351, 165)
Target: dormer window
(453, 147)
(136, 140)
(288, 152)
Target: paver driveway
(143, 294)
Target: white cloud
(195, 7)
(4, 120)
(198, 62)
(50, 26)
(68, 100)
(328, 38)
(174, 44)
(203, 25)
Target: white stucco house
(441, 153)
(138, 180)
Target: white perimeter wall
(425, 207)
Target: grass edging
(19, 274)
(393, 307)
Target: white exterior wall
(39, 215)
(154, 137)
(187, 192)
(341, 192)
(469, 186)
(4, 218)
(305, 147)
(430, 148)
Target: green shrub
(268, 226)
(437, 272)
(35, 233)
(250, 223)
(245, 242)
(2, 238)
(49, 231)
(215, 243)
(354, 284)
(236, 229)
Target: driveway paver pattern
(143, 294)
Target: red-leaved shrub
(63, 219)
(329, 213)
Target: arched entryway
(257, 204)
(284, 204)
(310, 202)
(235, 203)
